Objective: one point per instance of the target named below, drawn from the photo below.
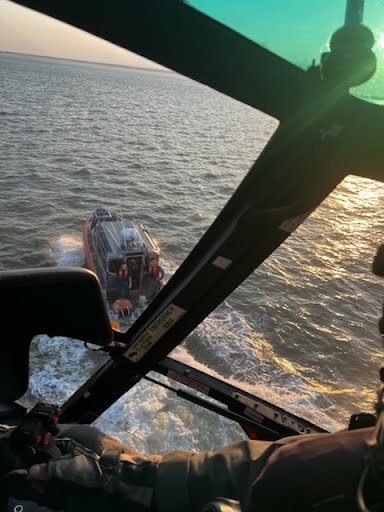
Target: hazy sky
(25, 31)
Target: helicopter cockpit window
(299, 31)
(302, 330)
(147, 144)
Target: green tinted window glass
(299, 30)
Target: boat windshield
(299, 31)
(134, 266)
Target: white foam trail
(154, 419)
(239, 354)
(68, 251)
(59, 366)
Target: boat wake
(68, 251)
(153, 418)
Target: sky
(25, 31)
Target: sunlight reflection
(338, 328)
(348, 237)
(380, 42)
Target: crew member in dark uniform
(301, 473)
(125, 276)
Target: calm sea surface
(300, 332)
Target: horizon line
(69, 59)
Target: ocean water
(300, 332)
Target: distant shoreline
(96, 63)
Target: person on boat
(300, 473)
(154, 270)
(152, 280)
(124, 275)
